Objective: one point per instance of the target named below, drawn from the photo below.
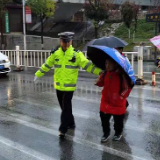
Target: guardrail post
(148, 51)
(140, 80)
(140, 62)
(153, 78)
(18, 67)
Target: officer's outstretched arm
(87, 65)
(46, 66)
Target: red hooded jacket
(114, 94)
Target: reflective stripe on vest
(66, 85)
(46, 65)
(57, 83)
(74, 54)
(69, 85)
(42, 71)
(71, 67)
(87, 65)
(92, 71)
(57, 66)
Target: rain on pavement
(30, 117)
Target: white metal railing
(28, 58)
(35, 58)
(130, 55)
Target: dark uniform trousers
(65, 102)
(118, 123)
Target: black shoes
(117, 137)
(61, 135)
(104, 138)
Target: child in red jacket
(116, 88)
(120, 50)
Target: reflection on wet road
(30, 117)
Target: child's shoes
(104, 138)
(117, 137)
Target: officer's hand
(101, 72)
(36, 79)
(96, 81)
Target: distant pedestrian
(120, 50)
(66, 61)
(116, 88)
(157, 62)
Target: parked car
(4, 64)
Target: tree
(127, 12)
(136, 9)
(97, 11)
(3, 9)
(44, 9)
(156, 8)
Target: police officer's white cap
(66, 35)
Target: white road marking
(71, 138)
(93, 116)
(23, 149)
(100, 147)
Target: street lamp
(24, 25)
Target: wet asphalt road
(30, 117)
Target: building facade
(138, 2)
(12, 19)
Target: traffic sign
(155, 17)
(28, 15)
(6, 22)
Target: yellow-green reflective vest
(66, 66)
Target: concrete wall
(33, 42)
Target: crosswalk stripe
(23, 149)
(71, 138)
(93, 116)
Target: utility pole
(24, 25)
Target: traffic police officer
(66, 61)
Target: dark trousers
(118, 123)
(65, 102)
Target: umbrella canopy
(156, 41)
(88, 44)
(112, 42)
(99, 54)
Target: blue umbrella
(99, 54)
